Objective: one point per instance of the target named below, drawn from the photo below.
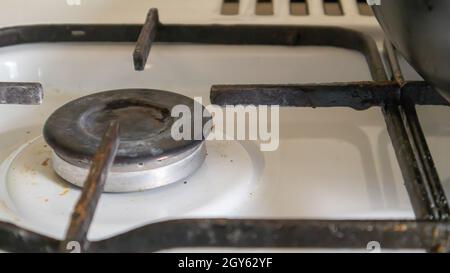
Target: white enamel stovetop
(331, 163)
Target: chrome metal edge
(129, 181)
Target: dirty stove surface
(331, 163)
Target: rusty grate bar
(93, 188)
(356, 95)
(431, 235)
(145, 40)
(432, 189)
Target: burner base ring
(122, 180)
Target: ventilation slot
(333, 7)
(264, 7)
(299, 7)
(230, 7)
(364, 8)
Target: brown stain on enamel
(65, 192)
(45, 162)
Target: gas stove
(360, 158)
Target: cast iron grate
(395, 97)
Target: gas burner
(148, 156)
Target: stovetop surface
(331, 163)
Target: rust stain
(3, 206)
(439, 249)
(401, 228)
(45, 163)
(65, 191)
(28, 169)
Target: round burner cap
(74, 131)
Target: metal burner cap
(74, 131)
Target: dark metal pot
(420, 30)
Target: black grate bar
(239, 233)
(17, 239)
(432, 187)
(145, 40)
(357, 95)
(421, 93)
(241, 35)
(280, 233)
(414, 183)
(198, 34)
(93, 187)
(423, 205)
(392, 63)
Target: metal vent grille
(264, 7)
(230, 7)
(364, 8)
(333, 8)
(297, 7)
